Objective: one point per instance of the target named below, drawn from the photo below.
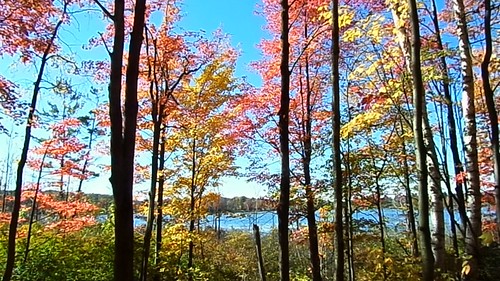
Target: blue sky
(236, 18)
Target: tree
(284, 201)
(490, 103)
(48, 49)
(123, 129)
(418, 103)
(473, 231)
(336, 158)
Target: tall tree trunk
(409, 197)
(156, 116)
(306, 161)
(258, 250)
(33, 205)
(284, 201)
(89, 147)
(11, 247)
(349, 205)
(123, 129)
(457, 163)
(437, 203)
(337, 165)
(8, 167)
(381, 224)
(418, 100)
(490, 103)
(434, 181)
(470, 142)
(152, 194)
(159, 212)
(192, 205)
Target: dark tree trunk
(490, 103)
(409, 198)
(8, 168)
(89, 147)
(284, 201)
(33, 206)
(123, 129)
(11, 247)
(159, 213)
(156, 116)
(418, 101)
(258, 248)
(337, 165)
(192, 205)
(381, 224)
(306, 161)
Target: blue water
(394, 219)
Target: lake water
(395, 220)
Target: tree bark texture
(284, 201)
(336, 157)
(418, 101)
(123, 128)
(473, 230)
(490, 104)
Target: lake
(395, 219)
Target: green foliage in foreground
(83, 255)
(88, 255)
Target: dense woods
(373, 126)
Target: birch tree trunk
(473, 230)
(436, 195)
(434, 176)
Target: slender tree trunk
(450, 200)
(192, 205)
(490, 103)
(349, 209)
(348, 222)
(434, 178)
(284, 201)
(457, 164)
(258, 248)
(11, 247)
(123, 129)
(85, 163)
(159, 212)
(33, 205)
(156, 116)
(470, 142)
(306, 160)
(152, 195)
(336, 157)
(409, 197)
(437, 203)
(418, 100)
(7, 172)
(381, 222)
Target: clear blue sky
(236, 18)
